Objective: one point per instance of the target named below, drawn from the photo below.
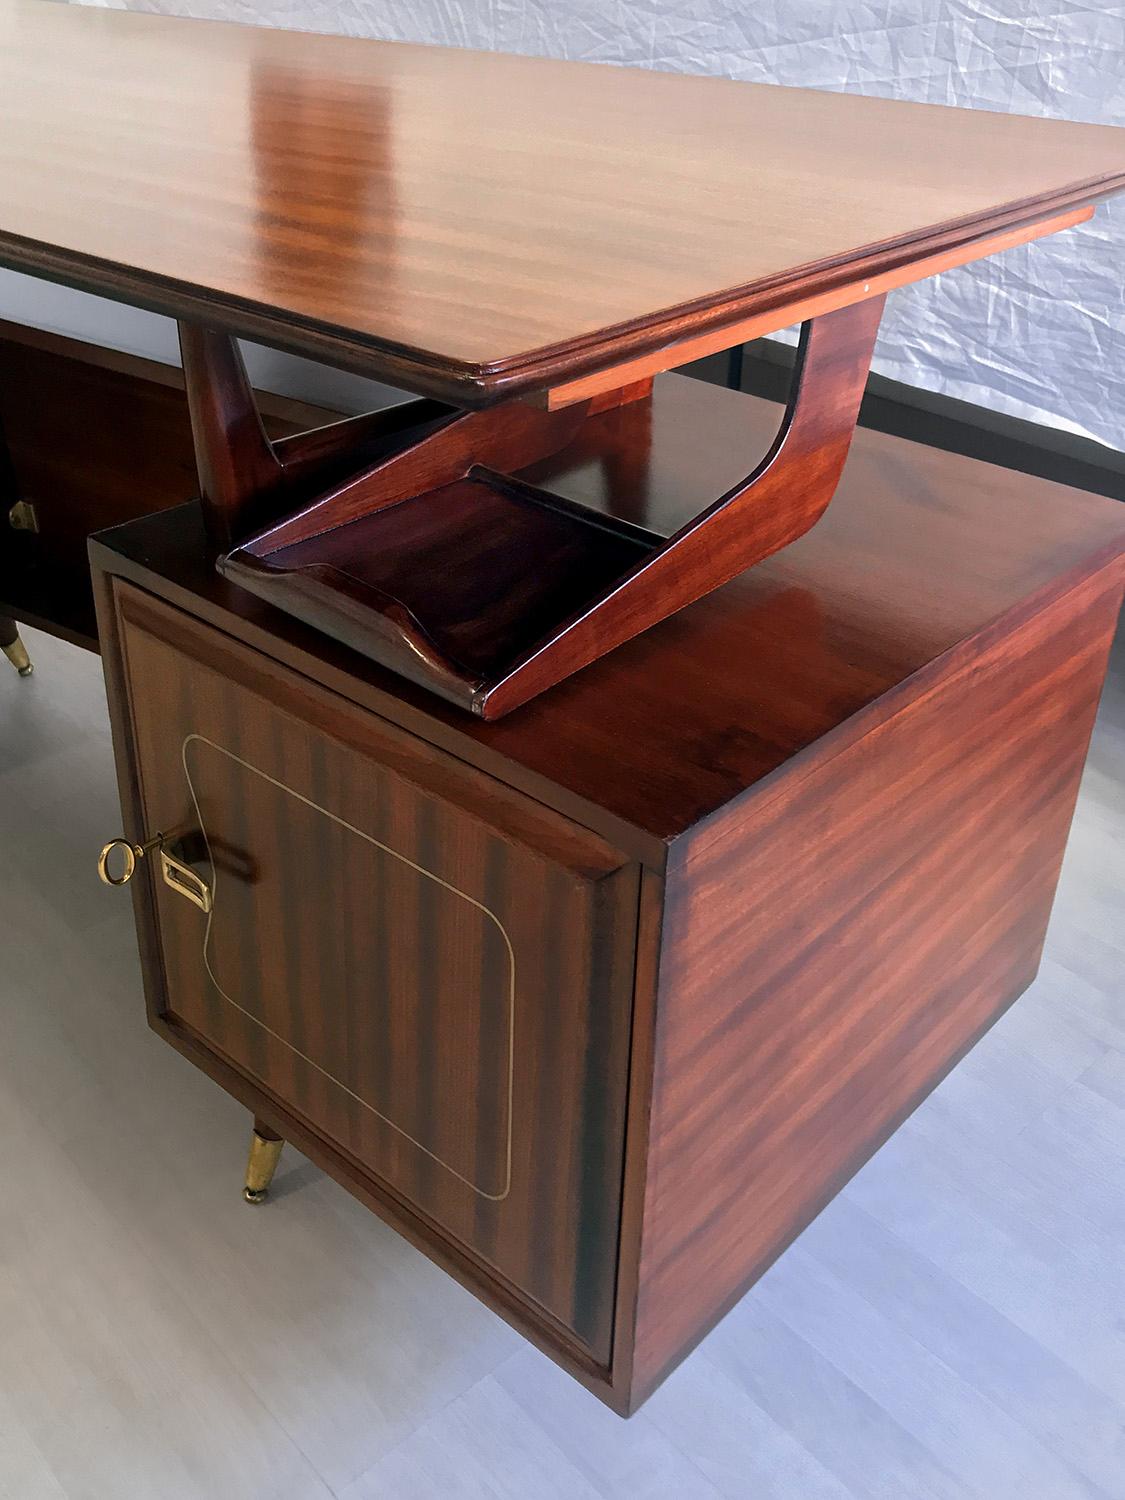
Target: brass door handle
(183, 879)
(178, 876)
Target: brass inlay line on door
(421, 870)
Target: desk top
(473, 225)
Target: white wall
(1039, 331)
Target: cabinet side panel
(834, 945)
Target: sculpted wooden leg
(13, 647)
(239, 472)
(246, 480)
(265, 1152)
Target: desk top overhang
(474, 226)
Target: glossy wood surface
(490, 590)
(431, 972)
(471, 223)
(918, 550)
(834, 944)
(781, 499)
(871, 754)
(947, 1323)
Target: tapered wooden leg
(265, 1152)
(239, 472)
(14, 648)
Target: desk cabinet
(601, 1003)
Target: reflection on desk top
(920, 552)
(472, 225)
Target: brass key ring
(130, 854)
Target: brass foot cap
(255, 1195)
(16, 652)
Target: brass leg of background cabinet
(265, 1151)
(13, 648)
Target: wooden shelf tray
(466, 575)
(442, 562)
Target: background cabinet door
(433, 971)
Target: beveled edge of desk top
(667, 338)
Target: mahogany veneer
(483, 228)
(600, 1003)
(490, 589)
(474, 226)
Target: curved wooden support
(443, 563)
(325, 456)
(239, 473)
(246, 480)
(505, 438)
(785, 495)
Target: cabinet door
(433, 971)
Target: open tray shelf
(475, 570)
(444, 562)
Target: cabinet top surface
(470, 222)
(919, 553)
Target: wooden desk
(583, 836)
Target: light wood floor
(953, 1326)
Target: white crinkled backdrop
(1037, 332)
